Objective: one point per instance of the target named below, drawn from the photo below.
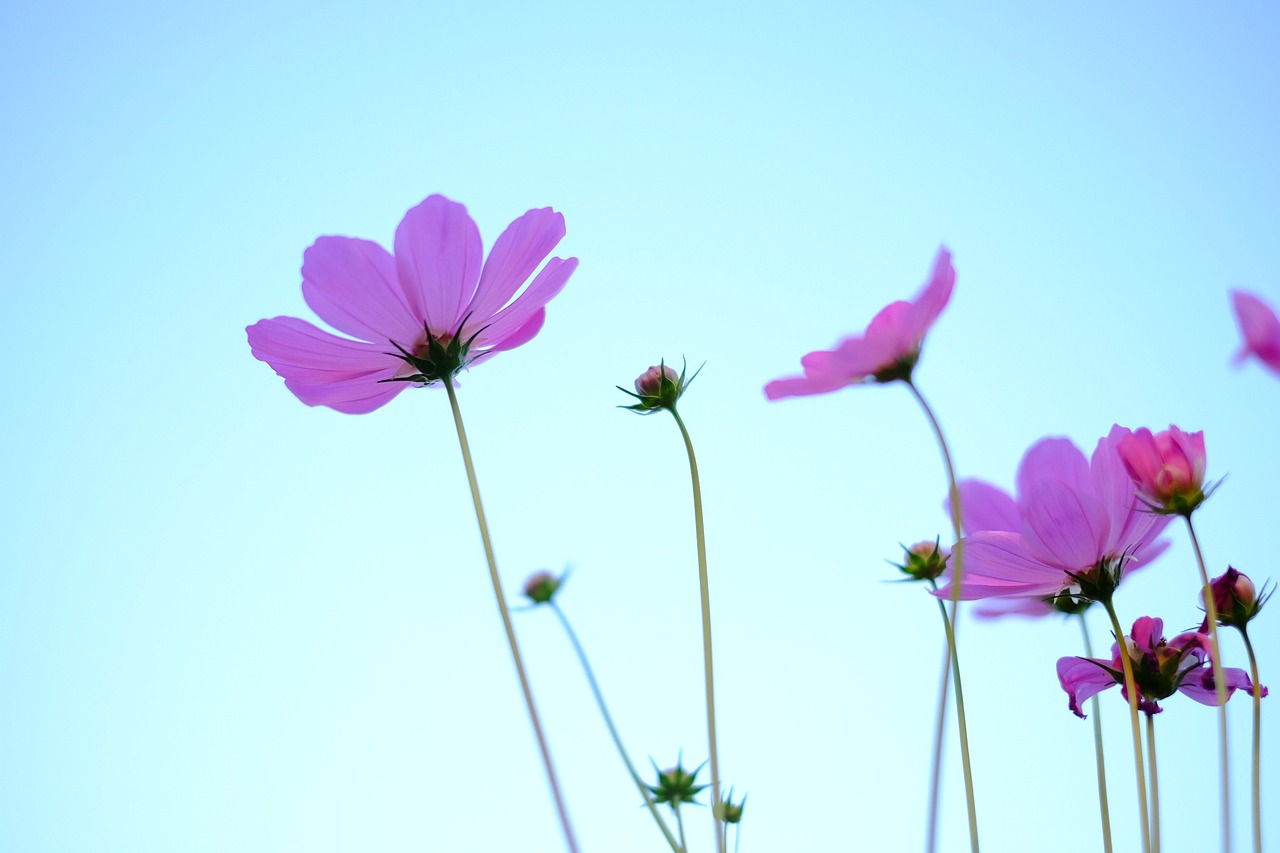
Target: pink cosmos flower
(1161, 668)
(1077, 526)
(1235, 599)
(1167, 467)
(888, 350)
(419, 316)
(1260, 328)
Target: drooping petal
(438, 254)
(1200, 686)
(1064, 528)
(1032, 607)
(986, 507)
(1083, 678)
(1260, 329)
(323, 369)
(803, 386)
(515, 255)
(512, 319)
(352, 285)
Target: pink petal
(997, 608)
(1083, 678)
(352, 285)
(1260, 329)
(514, 256)
(996, 563)
(985, 507)
(1199, 684)
(1064, 528)
(933, 297)
(803, 386)
(515, 317)
(522, 335)
(860, 358)
(1052, 460)
(438, 254)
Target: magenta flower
(1260, 329)
(1167, 468)
(888, 350)
(1235, 599)
(419, 317)
(1160, 668)
(1078, 526)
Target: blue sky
(228, 621)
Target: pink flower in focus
(1260, 329)
(1235, 599)
(1160, 668)
(649, 383)
(419, 317)
(888, 350)
(1167, 468)
(1078, 526)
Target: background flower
(1259, 328)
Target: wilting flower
(1160, 668)
(542, 586)
(1167, 468)
(421, 316)
(659, 387)
(1078, 527)
(676, 785)
(887, 351)
(1260, 329)
(1235, 599)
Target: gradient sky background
(230, 622)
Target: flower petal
(1052, 460)
(986, 507)
(997, 564)
(524, 334)
(1199, 684)
(352, 285)
(513, 319)
(438, 255)
(804, 386)
(933, 297)
(513, 258)
(1064, 528)
(1260, 329)
(1083, 678)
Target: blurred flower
(925, 561)
(675, 786)
(541, 586)
(658, 388)
(1078, 527)
(1160, 668)
(1235, 599)
(1260, 328)
(727, 810)
(887, 351)
(420, 316)
(1167, 468)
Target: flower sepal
(437, 359)
(925, 561)
(676, 785)
(659, 387)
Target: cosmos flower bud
(1167, 468)
(727, 810)
(541, 586)
(676, 785)
(1235, 598)
(925, 561)
(658, 388)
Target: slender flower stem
(613, 730)
(706, 631)
(1155, 784)
(570, 841)
(1257, 743)
(1096, 713)
(939, 729)
(684, 845)
(1131, 689)
(1219, 685)
(957, 574)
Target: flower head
(1160, 668)
(887, 351)
(1076, 528)
(1235, 599)
(542, 586)
(676, 785)
(659, 387)
(729, 811)
(1167, 468)
(1260, 329)
(925, 560)
(418, 317)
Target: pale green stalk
(1219, 685)
(563, 812)
(1257, 743)
(1131, 688)
(684, 845)
(704, 587)
(1155, 784)
(613, 730)
(1097, 748)
(957, 573)
(939, 729)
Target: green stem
(957, 574)
(1155, 784)
(1257, 743)
(704, 588)
(608, 722)
(684, 845)
(939, 729)
(569, 838)
(1219, 685)
(1131, 689)
(1095, 712)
